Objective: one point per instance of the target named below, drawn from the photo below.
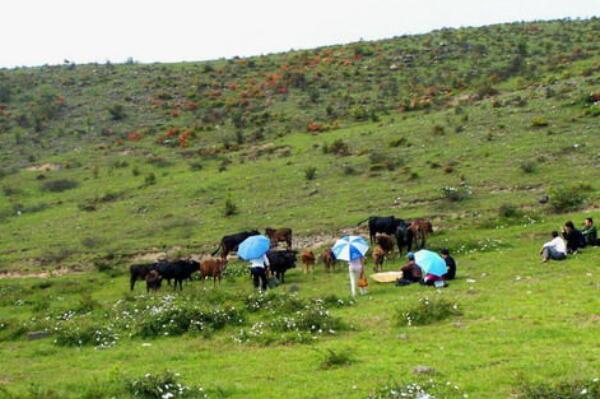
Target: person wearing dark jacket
(573, 237)
(411, 272)
(590, 234)
(450, 265)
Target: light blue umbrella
(350, 248)
(254, 247)
(430, 262)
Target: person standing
(258, 269)
(555, 249)
(356, 270)
(589, 232)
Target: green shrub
(58, 186)
(230, 208)
(456, 194)
(70, 333)
(310, 173)
(339, 147)
(334, 359)
(509, 211)
(528, 166)
(562, 390)
(565, 199)
(427, 311)
(162, 386)
(117, 112)
(150, 179)
(538, 122)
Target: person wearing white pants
(356, 269)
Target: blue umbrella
(350, 248)
(254, 247)
(430, 262)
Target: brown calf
(329, 260)
(378, 258)
(420, 229)
(308, 260)
(385, 242)
(212, 267)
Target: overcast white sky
(35, 32)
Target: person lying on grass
(589, 232)
(573, 237)
(555, 249)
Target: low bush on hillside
(230, 208)
(58, 186)
(456, 194)
(565, 199)
(562, 390)
(339, 147)
(117, 112)
(528, 166)
(427, 311)
(333, 359)
(165, 385)
(310, 173)
(428, 389)
(509, 211)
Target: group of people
(412, 273)
(570, 241)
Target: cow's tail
(362, 221)
(218, 249)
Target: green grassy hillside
(492, 133)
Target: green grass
(524, 328)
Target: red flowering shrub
(183, 138)
(134, 136)
(172, 132)
(315, 127)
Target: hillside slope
(146, 156)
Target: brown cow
(278, 235)
(308, 260)
(386, 242)
(329, 260)
(378, 255)
(420, 229)
(212, 267)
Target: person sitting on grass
(411, 272)
(555, 249)
(450, 265)
(589, 232)
(573, 237)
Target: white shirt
(260, 262)
(355, 265)
(558, 244)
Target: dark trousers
(259, 277)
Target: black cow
(139, 272)
(179, 270)
(280, 262)
(392, 226)
(230, 243)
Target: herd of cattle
(385, 232)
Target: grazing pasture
(490, 134)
